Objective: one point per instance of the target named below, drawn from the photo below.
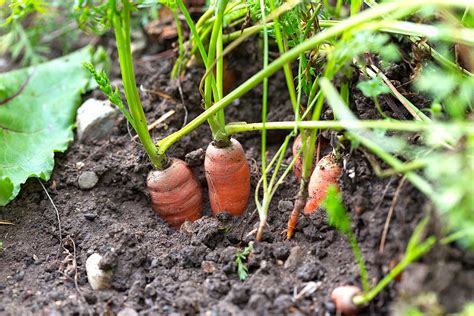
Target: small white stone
(127, 311)
(87, 180)
(98, 278)
(95, 120)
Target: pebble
(95, 119)
(90, 216)
(98, 278)
(127, 311)
(87, 180)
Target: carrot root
(297, 208)
(326, 173)
(228, 178)
(176, 194)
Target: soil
(158, 270)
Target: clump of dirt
(157, 270)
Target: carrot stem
(360, 20)
(121, 24)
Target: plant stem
(406, 261)
(121, 23)
(406, 126)
(358, 20)
(263, 209)
(176, 71)
(287, 66)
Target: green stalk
(121, 24)
(406, 261)
(287, 66)
(175, 72)
(263, 210)
(213, 123)
(353, 22)
(218, 130)
(404, 126)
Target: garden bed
(158, 270)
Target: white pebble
(98, 278)
(87, 180)
(95, 120)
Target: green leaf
(337, 215)
(37, 111)
(373, 87)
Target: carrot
(176, 195)
(298, 166)
(343, 296)
(228, 178)
(327, 172)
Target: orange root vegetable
(343, 297)
(176, 194)
(228, 178)
(298, 166)
(298, 207)
(327, 172)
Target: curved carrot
(228, 178)
(176, 195)
(327, 172)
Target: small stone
(95, 119)
(87, 180)
(90, 216)
(98, 278)
(127, 311)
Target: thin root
(389, 215)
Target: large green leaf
(37, 111)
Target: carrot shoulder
(176, 195)
(228, 178)
(327, 172)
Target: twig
(389, 215)
(397, 94)
(6, 223)
(57, 215)
(153, 125)
(161, 94)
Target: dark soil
(158, 270)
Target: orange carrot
(298, 166)
(327, 172)
(176, 195)
(228, 178)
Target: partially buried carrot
(298, 166)
(327, 172)
(228, 178)
(176, 195)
